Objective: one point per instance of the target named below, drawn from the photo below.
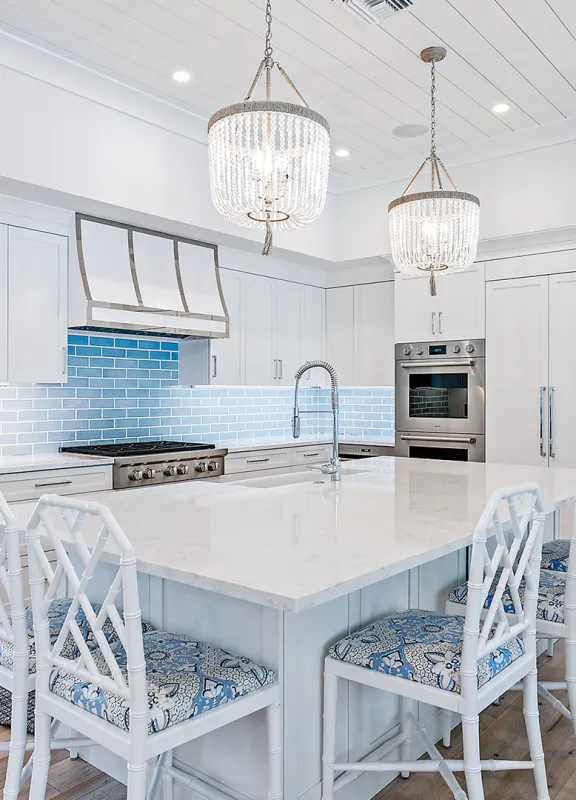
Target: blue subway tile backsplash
(127, 388)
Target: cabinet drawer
(256, 460)
(32, 485)
(311, 455)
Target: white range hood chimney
(140, 280)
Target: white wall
(52, 137)
(519, 194)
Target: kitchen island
(279, 573)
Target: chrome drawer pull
(456, 439)
(257, 460)
(55, 483)
(310, 455)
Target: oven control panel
(438, 351)
(157, 470)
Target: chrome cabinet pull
(281, 363)
(64, 359)
(542, 451)
(310, 455)
(214, 366)
(53, 483)
(257, 460)
(275, 369)
(433, 323)
(440, 322)
(551, 391)
(463, 362)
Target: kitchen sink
(290, 478)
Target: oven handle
(461, 363)
(456, 439)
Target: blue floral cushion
(421, 646)
(555, 555)
(185, 678)
(56, 617)
(550, 596)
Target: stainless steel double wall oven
(440, 400)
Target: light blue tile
(97, 424)
(76, 403)
(40, 449)
(74, 338)
(126, 342)
(89, 372)
(32, 393)
(31, 416)
(111, 413)
(114, 352)
(114, 393)
(75, 425)
(114, 373)
(17, 450)
(8, 438)
(169, 384)
(101, 383)
(149, 384)
(32, 438)
(169, 345)
(126, 363)
(102, 362)
(165, 355)
(135, 354)
(47, 425)
(78, 383)
(91, 434)
(61, 392)
(61, 414)
(123, 402)
(149, 344)
(75, 361)
(88, 351)
(8, 416)
(108, 403)
(148, 364)
(159, 393)
(102, 341)
(89, 413)
(62, 436)
(138, 373)
(89, 393)
(136, 433)
(121, 383)
(138, 412)
(16, 405)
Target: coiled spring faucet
(332, 468)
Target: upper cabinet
(360, 333)
(33, 306)
(456, 312)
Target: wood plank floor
(503, 736)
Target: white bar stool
(145, 694)
(451, 662)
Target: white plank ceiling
(366, 79)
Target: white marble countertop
(10, 465)
(300, 545)
(279, 442)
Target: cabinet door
(374, 334)
(313, 327)
(288, 312)
(460, 305)
(340, 332)
(516, 370)
(38, 308)
(413, 309)
(257, 326)
(226, 367)
(3, 303)
(562, 375)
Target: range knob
(456, 348)
(419, 351)
(170, 471)
(469, 348)
(183, 469)
(149, 473)
(407, 350)
(212, 466)
(201, 466)
(135, 475)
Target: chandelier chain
(433, 111)
(268, 49)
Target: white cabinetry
(360, 333)
(257, 327)
(456, 312)
(530, 382)
(288, 305)
(313, 333)
(277, 458)
(33, 306)
(18, 486)
(226, 360)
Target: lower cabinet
(19, 486)
(276, 458)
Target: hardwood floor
(503, 736)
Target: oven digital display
(437, 350)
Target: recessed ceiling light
(501, 108)
(410, 131)
(342, 152)
(181, 76)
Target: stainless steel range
(440, 400)
(154, 463)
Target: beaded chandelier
(269, 160)
(435, 231)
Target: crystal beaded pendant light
(435, 231)
(269, 160)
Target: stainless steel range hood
(136, 279)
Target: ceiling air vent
(376, 10)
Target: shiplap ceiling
(366, 79)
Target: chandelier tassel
(268, 240)
(433, 283)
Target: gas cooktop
(136, 448)
(154, 463)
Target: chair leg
(405, 706)
(168, 780)
(137, 781)
(472, 768)
(446, 728)
(275, 752)
(550, 648)
(532, 720)
(571, 675)
(19, 719)
(41, 762)
(329, 735)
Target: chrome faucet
(333, 468)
